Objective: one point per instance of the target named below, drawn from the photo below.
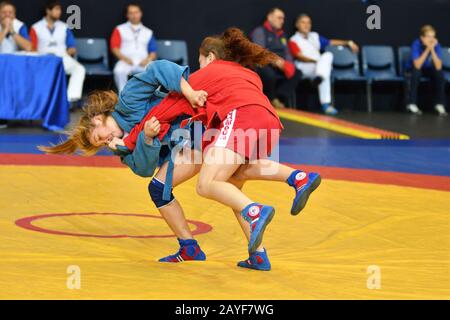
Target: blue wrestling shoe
(189, 251)
(259, 216)
(304, 184)
(256, 261)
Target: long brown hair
(233, 45)
(98, 103)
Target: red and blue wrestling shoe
(189, 251)
(259, 216)
(256, 261)
(304, 184)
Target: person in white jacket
(133, 44)
(13, 32)
(306, 47)
(52, 36)
(13, 36)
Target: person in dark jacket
(280, 79)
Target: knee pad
(156, 190)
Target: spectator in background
(52, 36)
(306, 47)
(280, 79)
(13, 35)
(426, 60)
(13, 32)
(133, 44)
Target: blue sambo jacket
(141, 93)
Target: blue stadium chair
(345, 66)
(173, 50)
(93, 54)
(378, 65)
(446, 62)
(404, 53)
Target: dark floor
(427, 125)
(294, 129)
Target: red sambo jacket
(229, 86)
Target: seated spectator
(307, 48)
(13, 32)
(426, 60)
(280, 79)
(133, 44)
(52, 36)
(13, 35)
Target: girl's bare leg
(303, 183)
(218, 167)
(263, 170)
(244, 224)
(173, 213)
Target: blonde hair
(427, 28)
(98, 103)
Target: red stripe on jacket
(34, 38)
(115, 41)
(294, 48)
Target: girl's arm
(162, 73)
(116, 142)
(151, 129)
(142, 90)
(144, 159)
(196, 98)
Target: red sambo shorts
(251, 131)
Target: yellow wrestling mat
(324, 253)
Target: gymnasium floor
(384, 205)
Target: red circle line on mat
(27, 223)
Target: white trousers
(322, 68)
(121, 72)
(77, 74)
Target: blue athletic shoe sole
(301, 198)
(266, 216)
